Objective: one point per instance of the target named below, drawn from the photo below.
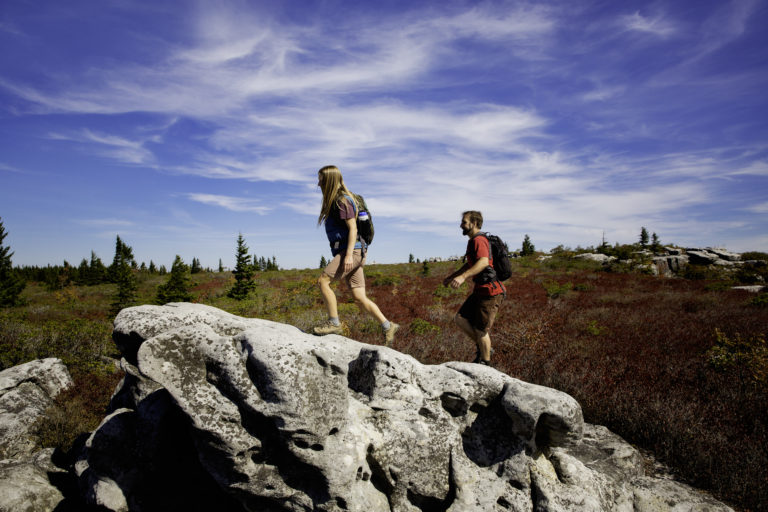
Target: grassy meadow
(678, 367)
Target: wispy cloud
(116, 223)
(657, 25)
(235, 204)
(111, 146)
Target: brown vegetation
(678, 367)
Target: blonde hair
(334, 190)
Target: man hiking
(476, 315)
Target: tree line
(123, 272)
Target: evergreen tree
(643, 238)
(196, 267)
(528, 248)
(410, 258)
(655, 243)
(97, 272)
(243, 272)
(323, 262)
(123, 254)
(425, 269)
(162, 271)
(143, 267)
(122, 275)
(152, 267)
(11, 284)
(221, 266)
(176, 289)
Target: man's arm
(465, 272)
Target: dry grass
(639, 353)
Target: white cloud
(235, 204)
(106, 222)
(658, 26)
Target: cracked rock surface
(252, 415)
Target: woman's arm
(351, 240)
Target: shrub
(754, 255)
(422, 327)
(760, 301)
(555, 289)
(746, 356)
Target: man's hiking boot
(389, 334)
(478, 358)
(486, 363)
(327, 328)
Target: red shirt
(479, 247)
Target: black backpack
(364, 221)
(502, 268)
(364, 224)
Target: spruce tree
(643, 238)
(122, 275)
(528, 248)
(655, 243)
(152, 267)
(323, 262)
(97, 272)
(221, 266)
(243, 272)
(11, 285)
(196, 267)
(176, 289)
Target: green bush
(422, 327)
(746, 356)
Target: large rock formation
(225, 413)
(26, 392)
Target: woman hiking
(339, 212)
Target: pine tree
(152, 267)
(655, 243)
(123, 254)
(243, 272)
(11, 284)
(122, 275)
(643, 238)
(221, 266)
(528, 248)
(176, 289)
(410, 258)
(323, 262)
(97, 272)
(196, 267)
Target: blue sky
(178, 125)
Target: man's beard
(466, 231)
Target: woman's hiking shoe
(327, 327)
(389, 334)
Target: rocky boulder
(28, 478)
(600, 258)
(246, 414)
(26, 391)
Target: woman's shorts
(354, 278)
(480, 310)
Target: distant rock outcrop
(252, 415)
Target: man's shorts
(355, 278)
(480, 310)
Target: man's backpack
(502, 268)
